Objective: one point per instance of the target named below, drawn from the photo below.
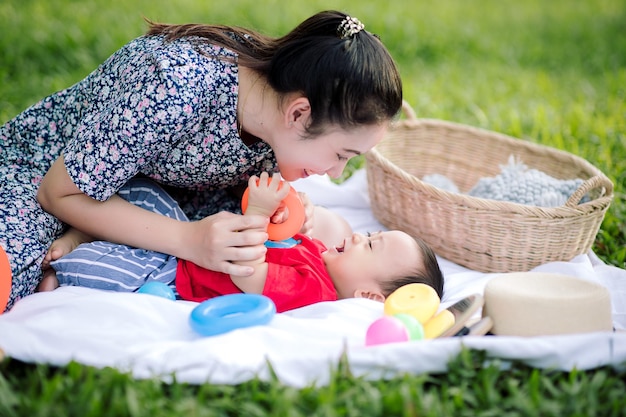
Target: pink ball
(387, 329)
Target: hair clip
(349, 26)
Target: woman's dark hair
(349, 81)
(430, 274)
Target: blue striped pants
(110, 266)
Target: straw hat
(538, 304)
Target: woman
(198, 109)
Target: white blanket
(150, 336)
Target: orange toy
(291, 226)
(5, 279)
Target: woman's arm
(216, 242)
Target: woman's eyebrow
(357, 153)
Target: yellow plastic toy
(419, 300)
(438, 324)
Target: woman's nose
(337, 170)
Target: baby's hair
(429, 273)
(349, 79)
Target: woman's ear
(298, 111)
(371, 295)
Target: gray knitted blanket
(517, 184)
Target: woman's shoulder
(181, 51)
(185, 64)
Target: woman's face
(325, 154)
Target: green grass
(552, 72)
(474, 386)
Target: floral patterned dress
(155, 108)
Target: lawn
(549, 72)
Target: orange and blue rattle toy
(278, 232)
(5, 279)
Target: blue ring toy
(232, 311)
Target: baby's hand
(282, 214)
(266, 194)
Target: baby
(310, 270)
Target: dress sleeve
(139, 105)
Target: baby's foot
(60, 247)
(49, 281)
(64, 245)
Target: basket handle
(597, 181)
(408, 111)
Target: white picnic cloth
(150, 336)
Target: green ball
(412, 324)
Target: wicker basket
(480, 234)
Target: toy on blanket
(5, 279)
(157, 288)
(229, 312)
(283, 231)
(409, 314)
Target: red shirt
(296, 277)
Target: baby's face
(361, 261)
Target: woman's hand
(235, 244)
(221, 241)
